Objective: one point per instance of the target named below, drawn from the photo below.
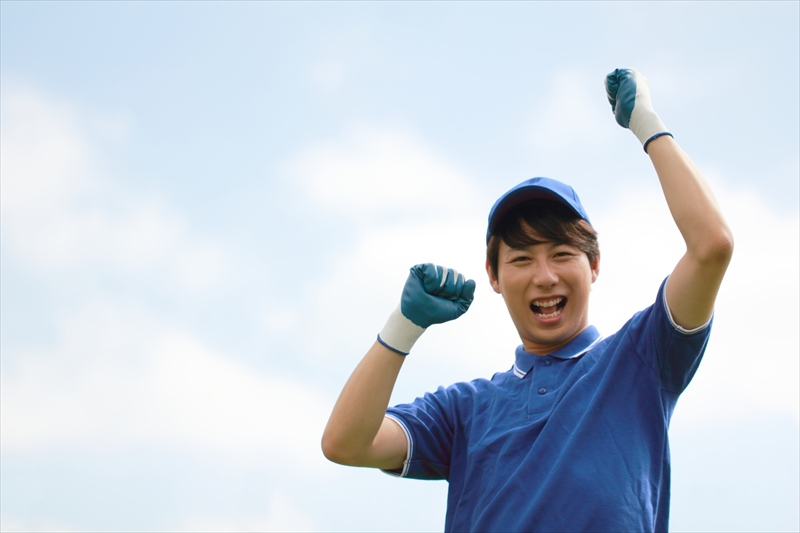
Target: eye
(518, 258)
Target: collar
(578, 346)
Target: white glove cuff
(399, 334)
(646, 125)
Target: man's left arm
(693, 285)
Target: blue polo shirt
(572, 441)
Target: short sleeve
(677, 351)
(429, 426)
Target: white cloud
(59, 210)
(574, 115)
(371, 171)
(670, 82)
(22, 526)
(281, 515)
(118, 379)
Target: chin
(554, 337)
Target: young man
(574, 436)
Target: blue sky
(208, 210)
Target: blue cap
(532, 189)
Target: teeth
(550, 315)
(548, 303)
(540, 304)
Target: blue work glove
(432, 295)
(629, 96)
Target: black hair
(552, 220)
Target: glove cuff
(646, 125)
(399, 334)
(654, 137)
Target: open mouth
(549, 308)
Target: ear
(492, 278)
(595, 266)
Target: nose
(544, 276)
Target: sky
(209, 209)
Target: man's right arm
(358, 432)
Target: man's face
(546, 289)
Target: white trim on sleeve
(409, 451)
(677, 326)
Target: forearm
(360, 409)
(691, 202)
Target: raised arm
(358, 433)
(693, 285)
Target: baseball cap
(534, 188)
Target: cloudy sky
(209, 209)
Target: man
(574, 436)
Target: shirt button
(542, 390)
(547, 363)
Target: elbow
(335, 451)
(718, 248)
(329, 448)
(723, 250)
